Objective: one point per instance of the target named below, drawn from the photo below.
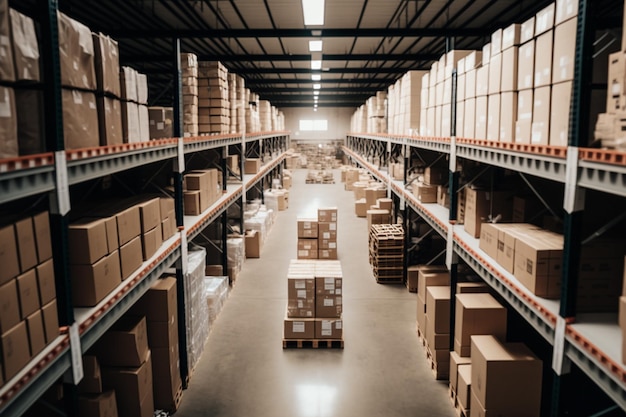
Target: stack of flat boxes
(201, 190)
(315, 300)
(377, 113)
(135, 118)
(214, 105)
(189, 68)
(467, 73)
(232, 99)
(93, 399)
(265, 115)
(327, 232)
(411, 103)
(307, 238)
(358, 121)
(28, 307)
(242, 104)
(108, 90)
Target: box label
(301, 293)
(298, 327)
(328, 302)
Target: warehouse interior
(197, 197)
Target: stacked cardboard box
(265, 115)
(477, 314)
(241, 104)
(135, 118)
(327, 232)
(405, 99)
(93, 400)
(431, 322)
(315, 300)
(307, 238)
(161, 122)
(413, 273)
(482, 206)
(189, 68)
(202, 189)
(28, 307)
(253, 119)
(386, 253)
(232, 99)
(376, 107)
(213, 96)
(127, 369)
(109, 92)
(159, 306)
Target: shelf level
(26, 176)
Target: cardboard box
(323, 244)
(506, 243)
(329, 253)
(525, 104)
(15, 349)
(307, 245)
(160, 122)
(510, 65)
(565, 9)
(191, 202)
(477, 314)
(527, 31)
(307, 254)
(472, 287)
(307, 228)
(28, 293)
(25, 237)
(91, 283)
(508, 113)
(8, 254)
(131, 257)
(506, 376)
(413, 272)
(456, 362)
(564, 51)
(300, 328)
(496, 43)
(526, 66)
(435, 341)
(495, 74)
(331, 285)
(543, 59)
(469, 122)
(130, 337)
(45, 282)
(559, 113)
(493, 117)
(616, 79)
(482, 81)
(151, 242)
(50, 320)
(128, 84)
(436, 175)
(438, 309)
(511, 36)
(300, 288)
(253, 244)
(252, 166)
(480, 204)
(301, 307)
(36, 334)
(87, 241)
(98, 405)
(377, 217)
(43, 241)
(7, 69)
(429, 278)
(538, 260)
(360, 208)
(486, 53)
(9, 305)
(544, 19)
(166, 377)
(8, 124)
(328, 306)
(131, 130)
(327, 230)
(489, 239)
(371, 195)
(76, 50)
(80, 119)
(421, 316)
(463, 393)
(107, 64)
(385, 204)
(328, 328)
(480, 130)
(425, 194)
(92, 379)
(133, 388)
(110, 121)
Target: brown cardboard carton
(8, 124)
(25, 47)
(471, 287)
(28, 294)
(477, 314)
(92, 379)
(131, 257)
(253, 244)
(8, 254)
(425, 193)
(128, 224)
(87, 241)
(327, 214)
(131, 130)
(41, 227)
(436, 175)
(99, 405)
(506, 376)
(537, 262)
(527, 31)
(307, 245)
(331, 285)
(413, 273)
(511, 36)
(493, 117)
(526, 65)
(377, 217)
(371, 195)
(438, 308)
(252, 165)
(328, 328)
(463, 393)
(166, 377)
(299, 328)
(166, 207)
(128, 84)
(360, 208)
(559, 113)
(510, 66)
(385, 204)
(129, 336)
(110, 121)
(508, 113)
(456, 362)
(506, 243)
(151, 242)
(482, 81)
(91, 283)
(564, 51)
(300, 288)
(323, 244)
(7, 70)
(15, 349)
(113, 241)
(133, 388)
(107, 64)
(543, 58)
(429, 278)
(161, 122)
(327, 230)
(480, 204)
(565, 9)
(523, 124)
(191, 202)
(149, 213)
(435, 341)
(307, 228)
(50, 320)
(329, 253)
(25, 237)
(489, 239)
(328, 306)
(544, 21)
(45, 282)
(524, 209)
(36, 334)
(80, 119)
(480, 131)
(163, 334)
(77, 54)
(421, 316)
(495, 73)
(30, 114)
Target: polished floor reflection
(381, 371)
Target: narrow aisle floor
(382, 371)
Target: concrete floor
(382, 371)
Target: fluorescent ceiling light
(317, 86)
(314, 108)
(313, 11)
(316, 93)
(316, 64)
(315, 46)
(316, 77)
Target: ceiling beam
(308, 98)
(268, 81)
(327, 71)
(284, 90)
(285, 57)
(298, 33)
(301, 105)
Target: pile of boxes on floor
(97, 108)
(486, 373)
(202, 188)
(110, 240)
(315, 300)
(315, 156)
(142, 372)
(28, 307)
(517, 89)
(258, 222)
(216, 102)
(317, 237)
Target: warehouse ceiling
(367, 44)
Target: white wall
(338, 122)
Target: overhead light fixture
(317, 86)
(315, 46)
(313, 11)
(316, 77)
(314, 108)
(316, 64)
(316, 93)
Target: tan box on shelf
(36, 333)
(438, 309)
(506, 243)
(456, 362)
(307, 228)
(538, 260)
(149, 213)
(469, 122)
(477, 314)
(479, 204)
(328, 328)
(252, 165)
(15, 349)
(463, 392)
(299, 328)
(130, 337)
(131, 130)
(28, 293)
(508, 113)
(50, 320)
(133, 388)
(91, 283)
(489, 239)
(110, 121)
(191, 202)
(45, 282)
(493, 117)
(80, 119)
(559, 113)
(510, 65)
(616, 80)
(482, 81)
(480, 130)
(151, 241)
(8, 254)
(131, 257)
(98, 405)
(508, 377)
(107, 64)
(161, 122)
(92, 379)
(25, 47)
(253, 244)
(26, 245)
(76, 50)
(523, 125)
(9, 147)
(526, 65)
(425, 194)
(544, 46)
(87, 241)
(495, 74)
(9, 305)
(564, 51)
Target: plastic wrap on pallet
(271, 200)
(258, 224)
(236, 252)
(197, 317)
(216, 292)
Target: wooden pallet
(178, 398)
(312, 343)
(383, 280)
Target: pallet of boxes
(314, 305)
(317, 237)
